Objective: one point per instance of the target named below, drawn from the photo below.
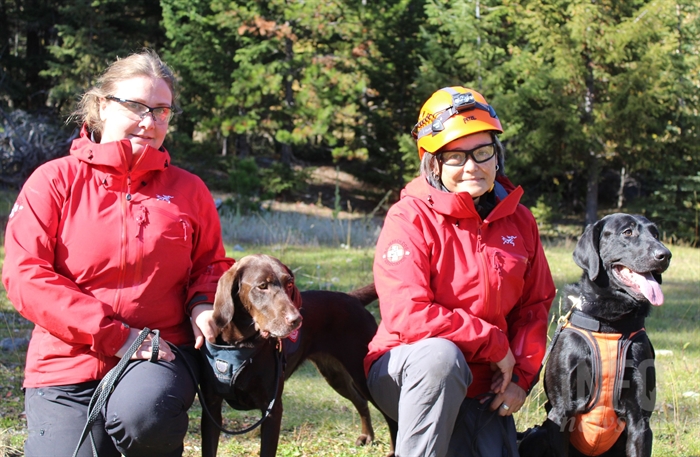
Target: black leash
(560, 325)
(106, 386)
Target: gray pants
(423, 387)
(146, 415)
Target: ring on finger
(504, 406)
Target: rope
(106, 386)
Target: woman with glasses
(102, 244)
(464, 291)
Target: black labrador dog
(599, 378)
(260, 313)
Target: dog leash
(106, 386)
(560, 325)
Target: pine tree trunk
(592, 190)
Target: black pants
(480, 432)
(146, 414)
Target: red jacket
(95, 243)
(442, 271)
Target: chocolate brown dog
(257, 309)
(600, 378)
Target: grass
(318, 422)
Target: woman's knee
(150, 427)
(441, 361)
(147, 412)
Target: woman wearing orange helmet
(464, 291)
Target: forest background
(599, 99)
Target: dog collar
(594, 324)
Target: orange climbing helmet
(451, 113)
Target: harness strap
(626, 325)
(598, 426)
(582, 320)
(279, 363)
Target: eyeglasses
(458, 158)
(160, 115)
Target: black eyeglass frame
(152, 111)
(467, 154)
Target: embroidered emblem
(15, 208)
(396, 252)
(164, 198)
(509, 240)
(294, 336)
(221, 365)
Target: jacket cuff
(199, 299)
(522, 381)
(118, 334)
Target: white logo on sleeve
(396, 252)
(164, 198)
(15, 209)
(509, 240)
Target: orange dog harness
(598, 428)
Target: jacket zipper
(484, 266)
(487, 276)
(123, 244)
(141, 219)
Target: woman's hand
(503, 371)
(203, 325)
(509, 401)
(146, 349)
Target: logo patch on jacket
(164, 198)
(396, 252)
(15, 208)
(510, 239)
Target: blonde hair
(145, 63)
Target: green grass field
(318, 422)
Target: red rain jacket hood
(99, 241)
(441, 271)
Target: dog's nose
(662, 255)
(294, 320)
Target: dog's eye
(262, 286)
(628, 232)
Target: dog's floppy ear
(292, 290)
(223, 301)
(586, 253)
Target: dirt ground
(356, 197)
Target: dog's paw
(363, 440)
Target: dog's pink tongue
(646, 284)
